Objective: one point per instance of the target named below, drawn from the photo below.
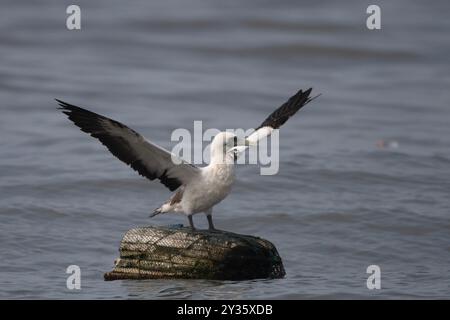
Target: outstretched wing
(281, 115)
(148, 159)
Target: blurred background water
(364, 173)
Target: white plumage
(196, 189)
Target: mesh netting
(163, 252)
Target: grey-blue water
(340, 202)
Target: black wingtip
(69, 109)
(288, 109)
(316, 96)
(60, 102)
(62, 105)
(306, 94)
(300, 92)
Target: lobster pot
(165, 252)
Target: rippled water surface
(339, 203)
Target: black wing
(287, 109)
(148, 159)
(280, 115)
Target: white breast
(214, 185)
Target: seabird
(195, 189)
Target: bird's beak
(237, 151)
(239, 141)
(242, 142)
(249, 143)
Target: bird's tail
(166, 207)
(155, 212)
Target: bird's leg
(191, 222)
(210, 222)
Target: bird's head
(226, 147)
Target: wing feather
(277, 118)
(145, 157)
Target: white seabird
(196, 189)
